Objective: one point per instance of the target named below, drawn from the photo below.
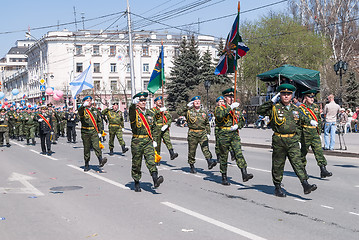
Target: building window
(97, 85)
(96, 50)
(128, 67)
(146, 67)
(113, 85)
(113, 67)
(78, 49)
(177, 52)
(129, 85)
(79, 67)
(145, 84)
(96, 67)
(128, 51)
(112, 50)
(145, 51)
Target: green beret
(141, 95)
(228, 92)
(310, 93)
(286, 87)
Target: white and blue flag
(82, 82)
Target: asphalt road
(45, 198)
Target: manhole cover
(65, 188)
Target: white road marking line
(100, 177)
(258, 169)
(198, 176)
(17, 144)
(23, 179)
(324, 206)
(52, 158)
(357, 186)
(214, 222)
(299, 200)
(354, 213)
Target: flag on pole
(234, 50)
(82, 82)
(158, 74)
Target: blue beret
(87, 97)
(196, 98)
(158, 98)
(219, 98)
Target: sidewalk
(263, 139)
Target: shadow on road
(145, 186)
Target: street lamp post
(207, 85)
(340, 68)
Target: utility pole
(83, 20)
(75, 18)
(132, 69)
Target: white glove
(275, 98)
(123, 129)
(321, 139)
(300, 145)
(154, 144)
(40, 120)
(190, 104)
(313, 123)
(86, 104)
(164, 127)
(208, 136)
(162, 109)
(234, 127)
(136, 100)
(99, 135)
(234, 105)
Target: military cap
(286, 88)
(50, 105)
(219, 98)
(141, 95)
(115, 103)
(64, 107)
(87, 97)
(70, 107)
(196, 98)
(158, 98)
(228, 92)
(310, 93)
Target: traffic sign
(22, 102)
(42, 81)
(42, 88)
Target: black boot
(18, 138)
(233, 155)
(124, 148)
(246, 176)
(324, 172)
(21, 138)
(308, 188)
(102, 161)
(8, 145)
(27, 141)
(33, 141)
(225, 180)
(278, 191)
(172, 154)
(157, 180)
(193, 170)
(211, 163)
(86, 167)
(111, 152)
(137, 186)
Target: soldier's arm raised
(132, 112)
(81, 111)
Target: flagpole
(235, 73)
(163, 101)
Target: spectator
(354, 121)
(296, 101)
(330, 112)
(343, 119)
(125, 114)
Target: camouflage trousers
(4, 134)
(142, 147)
(229, 140)
(158, 135)
(29, 131)
(286, 147)
(195, 138)
(216, 149)
(115, 131)
(90, 139)
(310, 138)
(18, 129)
(11, 129)
(62, 125)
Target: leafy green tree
(351, 94)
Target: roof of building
(17, 50)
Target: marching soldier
(161, 123)
(228, 135)
(198, 132)
(286, 123)
(4, 128)
(62, 121)
(142, 143)
(55, 121)
(18, 125)
(115, 120)
(311, 133)
(91, 127)
(11, 113)
(71, 121)
(29, 126)
(46, 130)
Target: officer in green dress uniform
(142, 143)
(11, 113)
(229, 123)
(4, 127)
(91, 126)
(286, 122)
(161, 127)
(198, 132)
(114, 118)
(29, 126)
(311, 133)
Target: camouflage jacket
(28, 119)
(196, 119)
(137, 126)
(313, 110)
(4, 122)
(85, 119)
(113, 117)
(225, 117)
(159, 118)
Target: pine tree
(351, 95)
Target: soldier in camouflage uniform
(229, 121)
(142, 143)
(55, 122)
(198, 132)
(62, 121)
(18, 125)
(30, 125)
(286, 123)
(10, 114)
(91, 126)
(161, 127)
(311, 134)
(4, 128)
(115, 120)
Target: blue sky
(16, 16)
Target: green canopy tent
(304, 79)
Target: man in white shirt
(331, 111)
